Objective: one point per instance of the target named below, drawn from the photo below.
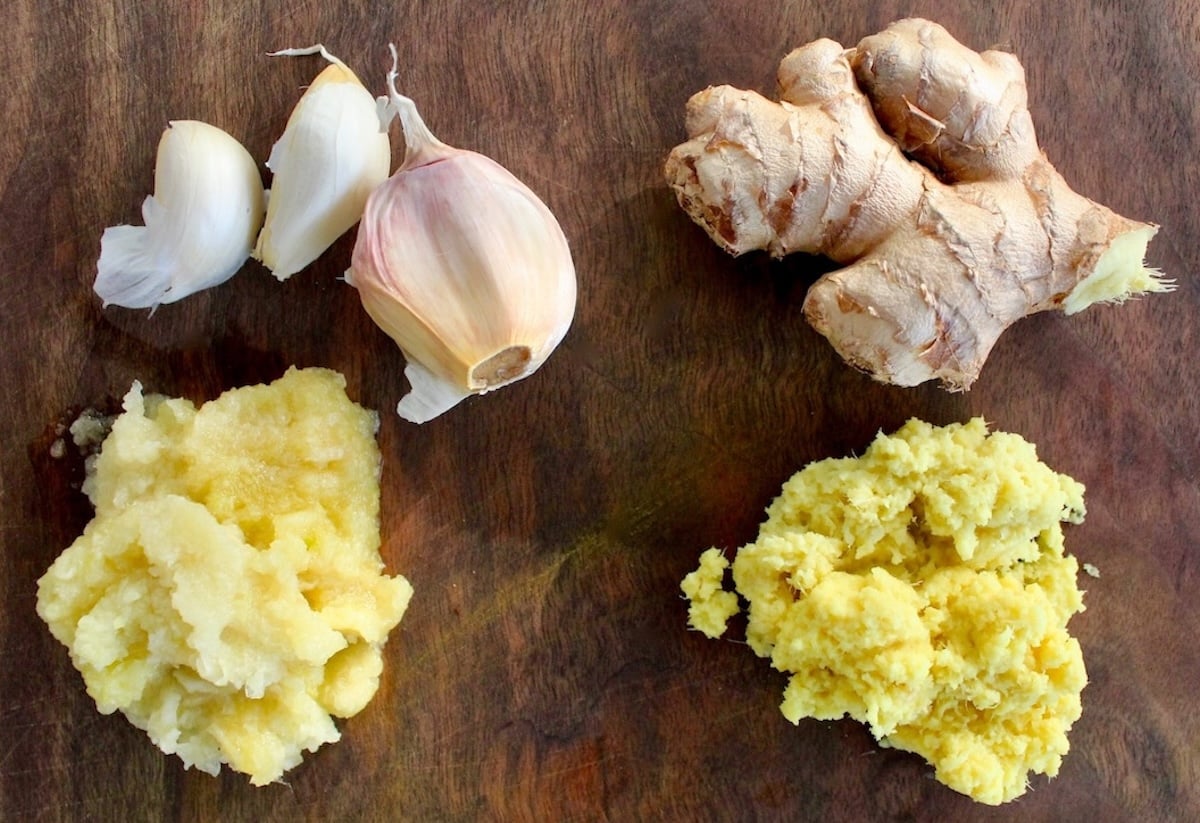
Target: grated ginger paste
(921, 589)
(229, 597)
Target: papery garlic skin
(332, 154)
(464, 267)
(200, 223)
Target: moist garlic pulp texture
(921, 589)
(229, 596)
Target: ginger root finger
(962, 113)
(975, 259)
(938, 264)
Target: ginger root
(943, 248)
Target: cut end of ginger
(229, 596)
(1119, 274)
(921, 589)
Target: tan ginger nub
(943, 251)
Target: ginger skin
(943, 249)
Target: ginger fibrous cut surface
(912, 161)
(923, 590)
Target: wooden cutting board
(544, 670)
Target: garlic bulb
(333, 152)
(463, 266)
(201, 221)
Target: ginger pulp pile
(229, 596)
(921, 589)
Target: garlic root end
(502, 367)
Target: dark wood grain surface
(544, 671)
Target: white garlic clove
(200, 223)
(464, 267)
(331, 155)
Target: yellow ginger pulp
(921, 589)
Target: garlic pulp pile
(463, 266)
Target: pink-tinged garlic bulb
(463, 266)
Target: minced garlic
(229, 597)
(921, 589)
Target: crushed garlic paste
(229, 596)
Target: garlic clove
(200, 223)
(464, 267)
(331, 155)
